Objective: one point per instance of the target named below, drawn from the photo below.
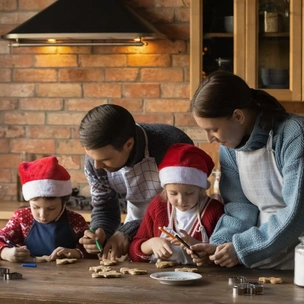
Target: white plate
(175, 278)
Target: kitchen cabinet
(263, 43)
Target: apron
(262, 184)
(179, 254)
(140, 184)
(43, 239)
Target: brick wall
(46, 91)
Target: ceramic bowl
(228, 24)
(275, 77)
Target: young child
(46, 227)
(184, 207)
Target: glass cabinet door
(276, 65)
(217, 38)
(262, 44)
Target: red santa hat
(44, 178)
(185, 164)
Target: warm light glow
(52, 40)
(137, 39)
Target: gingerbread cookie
(108, 262)
(271, 280)
(186, 269)
(100, 268)
(43, 259)
(165, 264)
(65, 261)
(106, 274)
(133, 271)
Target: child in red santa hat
(183, 208)
(46, 227)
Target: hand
(15, 254)
(67, 252)
(188, 239)
(160, 247)
(204, 251)
(117, 246)
(89, 240)
(225, 255)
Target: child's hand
(204, 251)
(15, 254)
(187, 238)
(159, 246)
(225, 255)
(67, 252)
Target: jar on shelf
(270, 17)
(215, 185)
(299, 263)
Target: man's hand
(117, 246)
(225, 255)
(89, 240)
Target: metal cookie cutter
(12, 276)
(4, 271)
(236, 280)
(255, 288)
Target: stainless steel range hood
(84, 22)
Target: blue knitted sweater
(238, 224)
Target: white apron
(262, 185)
(179, 254)
(139, 184)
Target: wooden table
(51, 283)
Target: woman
(261, 156)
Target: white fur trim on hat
(183, 175)
(46, 188)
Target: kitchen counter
(50, 283)
(7, 208)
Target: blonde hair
(163, 194)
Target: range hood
(84, 22)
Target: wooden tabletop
(51, 283)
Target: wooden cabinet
(264, 45)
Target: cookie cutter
(4, 270)
(250, 288)
(12, 276)
(236, 280)
(7, 275)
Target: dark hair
(64, 199)
(223, 92)
(106, 125)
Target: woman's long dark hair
(222, 92)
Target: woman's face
(228, 132)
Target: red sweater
(157, 216)
(20, 224)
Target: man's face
(109, 158)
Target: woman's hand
(160, 247)
(15, 254)
(67, 252)
(225, 255)
(203, 251)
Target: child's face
(46, 210)
(183, 197)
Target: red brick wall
(46, 91)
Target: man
(121, 162)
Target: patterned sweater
(238, 225)
(20, 224)
(106, 211)
(157, 216)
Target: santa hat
(44, 178)
(185, 164)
